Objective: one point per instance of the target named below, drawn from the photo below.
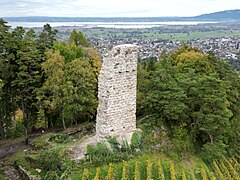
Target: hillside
(187, 112)
(222, 15)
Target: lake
(107, 24)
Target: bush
(59, 138)
(214, 150)
(112, 152)
(51, 160)
(41, 142)
(100, 154)
(115, 145)
(136, 140)
(181, 140)
(51, 175)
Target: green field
(149, 34)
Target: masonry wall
(116, 113)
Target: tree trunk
(14, 117)
(1, 130)
(7, 129)
(45, 119)
(63, 121)
(25, 115)
(50, 123)
(14, 123)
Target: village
(223, 48)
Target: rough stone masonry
(117, 84)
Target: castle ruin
(117, 84)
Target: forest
(188, 103)
(45, 83)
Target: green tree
(29, 77)
(195, 94)
(166, 98)
(9, 69)
(47, 38)
(70, 87)
(80, 101)
(78, 39)
(53, 87)
(4, 34)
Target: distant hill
(222, 15)
(229, 15)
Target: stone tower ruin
(117, 84)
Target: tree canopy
(190, 91)
(48, 81)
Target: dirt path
(78, 151)
(7, 149)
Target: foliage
(41, 142)
(51, 160)
(196, 96)
(112, 150)
(136, 171)
(97, 174)
(77, 38)
(124, 171)
(48, 81)
(85, 174)
(59, 138)
(184, 175)
(203, 173)
(149, 170)
(70, 89)
(136, 140)
(110, 172)
(21, 73)
(181, 140)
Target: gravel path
(78, 151)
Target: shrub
(125, 147)
(160, 171)
(41, 142)
(136, 140)
(85, 174)
(100, 154)
(52, 160)
(97, 176)
(204, 174)
(184, 175)
(149, 170)
(136, 171)
(181, 139)
(115, 145)
(59, 138)
(51, 175)
(124, 171)
(217, 169)
(172, 171)
(110, 172)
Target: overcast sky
(114, 8)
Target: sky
(113, 8)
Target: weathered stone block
(117, 83)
